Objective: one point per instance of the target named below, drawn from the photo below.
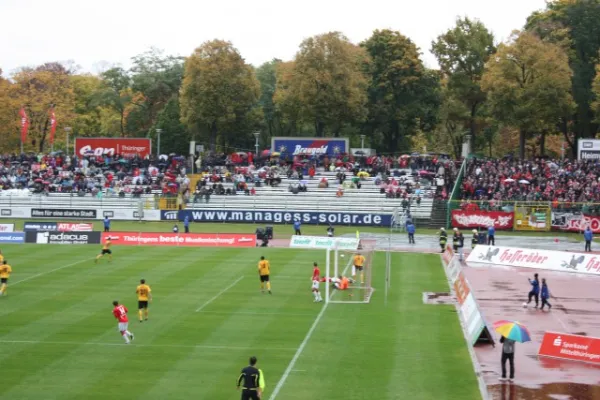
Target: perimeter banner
(124, 147)
(320, 242)
(583, 263)
(482, 219)
(183, 239)
(571, 347)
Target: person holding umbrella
(511, 332)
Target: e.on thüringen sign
(124, 147)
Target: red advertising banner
(183, 239)
(67, 227)
(571, 347)
(574, 222)
(482, 219)
(461, 288)
(124, 147)
(448, 254)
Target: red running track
(500, 293)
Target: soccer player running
(359, 262)
(120, 313)
(534, 293)
(5, 271)
(144, 295)
(105, 250)
(316, 277)
(264, 269)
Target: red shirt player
(120, 313)
(315, 283)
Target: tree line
(529, 95)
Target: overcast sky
(97, 34)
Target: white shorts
(123, 326)
(315, 285)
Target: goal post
(340, 263)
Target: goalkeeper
(341, 282)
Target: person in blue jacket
(106, 224)
(545, 295)
(410, 228)
(186, 224)
(588, 235)
(534, 293)
(491, 235)
(297, 225)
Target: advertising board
(63, 213)
(318, 242)
(7, 227)
(278, 217)
(588, 149)
(288, 147)
(473, 322)
(570, 347)
(40, 226)
(124, 147)
(185, 239)
(583, 263)
(482, 219)
(12, 237)
(45, 237)
(574, 222)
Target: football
(341, 255)
(524, 305)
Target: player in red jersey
(315, 283)
(120, 313)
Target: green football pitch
(59, 340)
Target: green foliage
(325, 85)
(462, 53)
(403, 95)
(528, 85)
(573, 25)
(596, 91)
(219, 92)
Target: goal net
(342, 265)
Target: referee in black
(251, 381)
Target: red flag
(24, 124)
(52, 125)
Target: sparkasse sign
(571, 347)
(125, 147)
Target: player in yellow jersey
(1, 257)
(264, 269)
(105, 250)
(5, 271)
(144, 295)
(359, 264)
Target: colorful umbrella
(512, 330)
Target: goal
(341, 263)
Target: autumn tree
(528, 85)
(403, 96)
(596, 91)
(573, 26)
(326, 83)
(462, 53)
(38, 89)
(115, 94)
(219, 90)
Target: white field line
(219, 294)
(292, 363)
(253, 313)
(49, 272)
(183, 346)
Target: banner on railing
(180, 239)
(574, 222)
(7, 227)
(127, 214)
(482, 219)
(584, 263)
(533, 217)
(279, 217)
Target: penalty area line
(49, 272)
(219, 294)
